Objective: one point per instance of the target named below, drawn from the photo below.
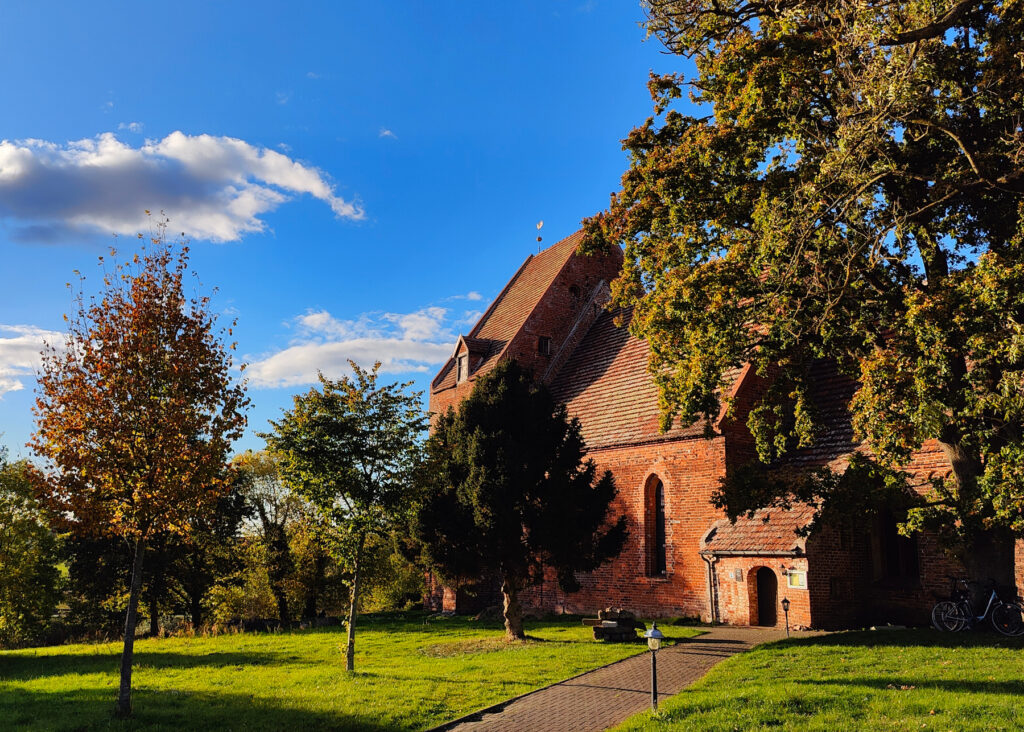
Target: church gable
(530, 319)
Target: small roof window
(544, 345)
(462, 368)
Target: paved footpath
(605, 697)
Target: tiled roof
(513, 306)
(830, 393)
(478, 345)
(606, 385)
(771, 531)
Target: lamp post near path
(654, 638)
(785, 609)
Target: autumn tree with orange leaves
(136, 412)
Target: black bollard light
(654, 638)
(785, 609)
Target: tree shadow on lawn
(87, 709)
(912, 638)
(25, 667)
(954, 686)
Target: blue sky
(357, 179)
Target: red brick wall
(689, 470)
(1019, 565)
(737, 598)
(553, 317)
(556, 313)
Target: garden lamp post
(654, 638)
(785, 610)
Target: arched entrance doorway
(767, 596)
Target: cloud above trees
(214, 188)
(413, 342)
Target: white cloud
(20, 353)
(131, 126)
(385, 132)
(215, 188)
(472, 295)
(283, 97)
(470, 317)
(403, 342)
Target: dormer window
(544, 346)
(462, 368)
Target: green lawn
(882, 680)
(409, 675)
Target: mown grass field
(882, 680)
(410, 674)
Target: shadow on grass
(921, 637)
(87, 709)
(951, 686)
(23, 667)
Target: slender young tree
(136, 412)
(849, 188)
(506, 491)
(350, 448)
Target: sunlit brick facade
(683, 558)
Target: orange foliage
(137, 410)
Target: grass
(410, 674)
(888, 680)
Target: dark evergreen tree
(507, 491)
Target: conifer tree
(507, 493)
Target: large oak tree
(136, 412)
(847, 185)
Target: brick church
(683, 557)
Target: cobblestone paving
(605, 697)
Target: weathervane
(540, 225)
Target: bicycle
(956, 614)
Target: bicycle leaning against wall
(956, 613)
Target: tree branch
(932, 30)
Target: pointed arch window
(654, 528)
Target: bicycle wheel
(949, 616)
(1008, 618)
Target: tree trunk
(513, 611)
(350, 650)
(280, 566)
(196, 608)
(282, 606)
(124, 694)
(196, 590)
(989, 558)
(988, 554)
(154, 613)
(313, 596)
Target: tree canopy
(28, 558)
(350, 449)
(136, 412)
(848, 188)
(507, 493)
